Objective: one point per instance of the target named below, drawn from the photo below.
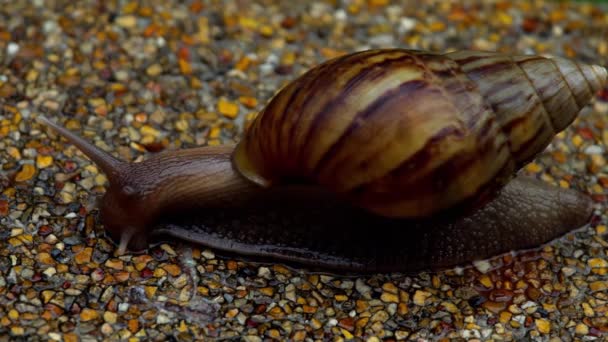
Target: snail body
(397, 142)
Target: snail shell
(406, 135)
(411, 133)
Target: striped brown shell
(410, 133)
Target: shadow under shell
(329, 235)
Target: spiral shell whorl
(409, 133)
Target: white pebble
(162, 319)
(49, 26)
(55, 336)
(12, 48)
(558, 30)
(341, 15)
(482, 266)
(266, 69)
(70, 215)
(49, 272)
(568, 271)
(519, 319)
(263, 272)
(467, 333)
(123, 307)
(528, 304)
(208, 254)
(406, 24)
(362, 288)
(382, 40)
(594, 149)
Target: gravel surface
(137, 77)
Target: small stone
(267, 291)
(84, 256)
(208, 254)
(162, 319)
(127, 21)
(597, 286)
(581, 329)
(264, 272)
(149, 130)
(17, 331)
(26, 173)
(172, 269)
(389, 297)
(309, 309)
(43, 161)
(362, 288)
(568, 271)
(248, 101)
(106, 329)
(550, 307)
(340, 298)
(3, 208)
(299, 335)
(533, 167)
(49, 272)
(227, 108)
(180, 281)
(232, 313)
(588, 310)
(88, 314)
(597, 263)
(110, 317)
(449, 307)
(133, 325)
(486, 281)
(154, 70)
(55, 336)
(543, 325)
(150, 291)
(401, 335)
(121, 276)
(13, 314)
(45, 258)
(505, 317)
(482, 266)
(380, 316)
(12, 48)
(116, 264)
(420, 297)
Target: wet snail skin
(380, 160)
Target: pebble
(154, 69)
(127, 21)
(84, 256)
(27, 172)
(88, 314)
(44, 161)
(227, 108)
(162, 319)
(543, 325)
(420, 297)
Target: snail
(379, 160)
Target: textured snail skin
(328, 234)
(397, 141)
(410, 133)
